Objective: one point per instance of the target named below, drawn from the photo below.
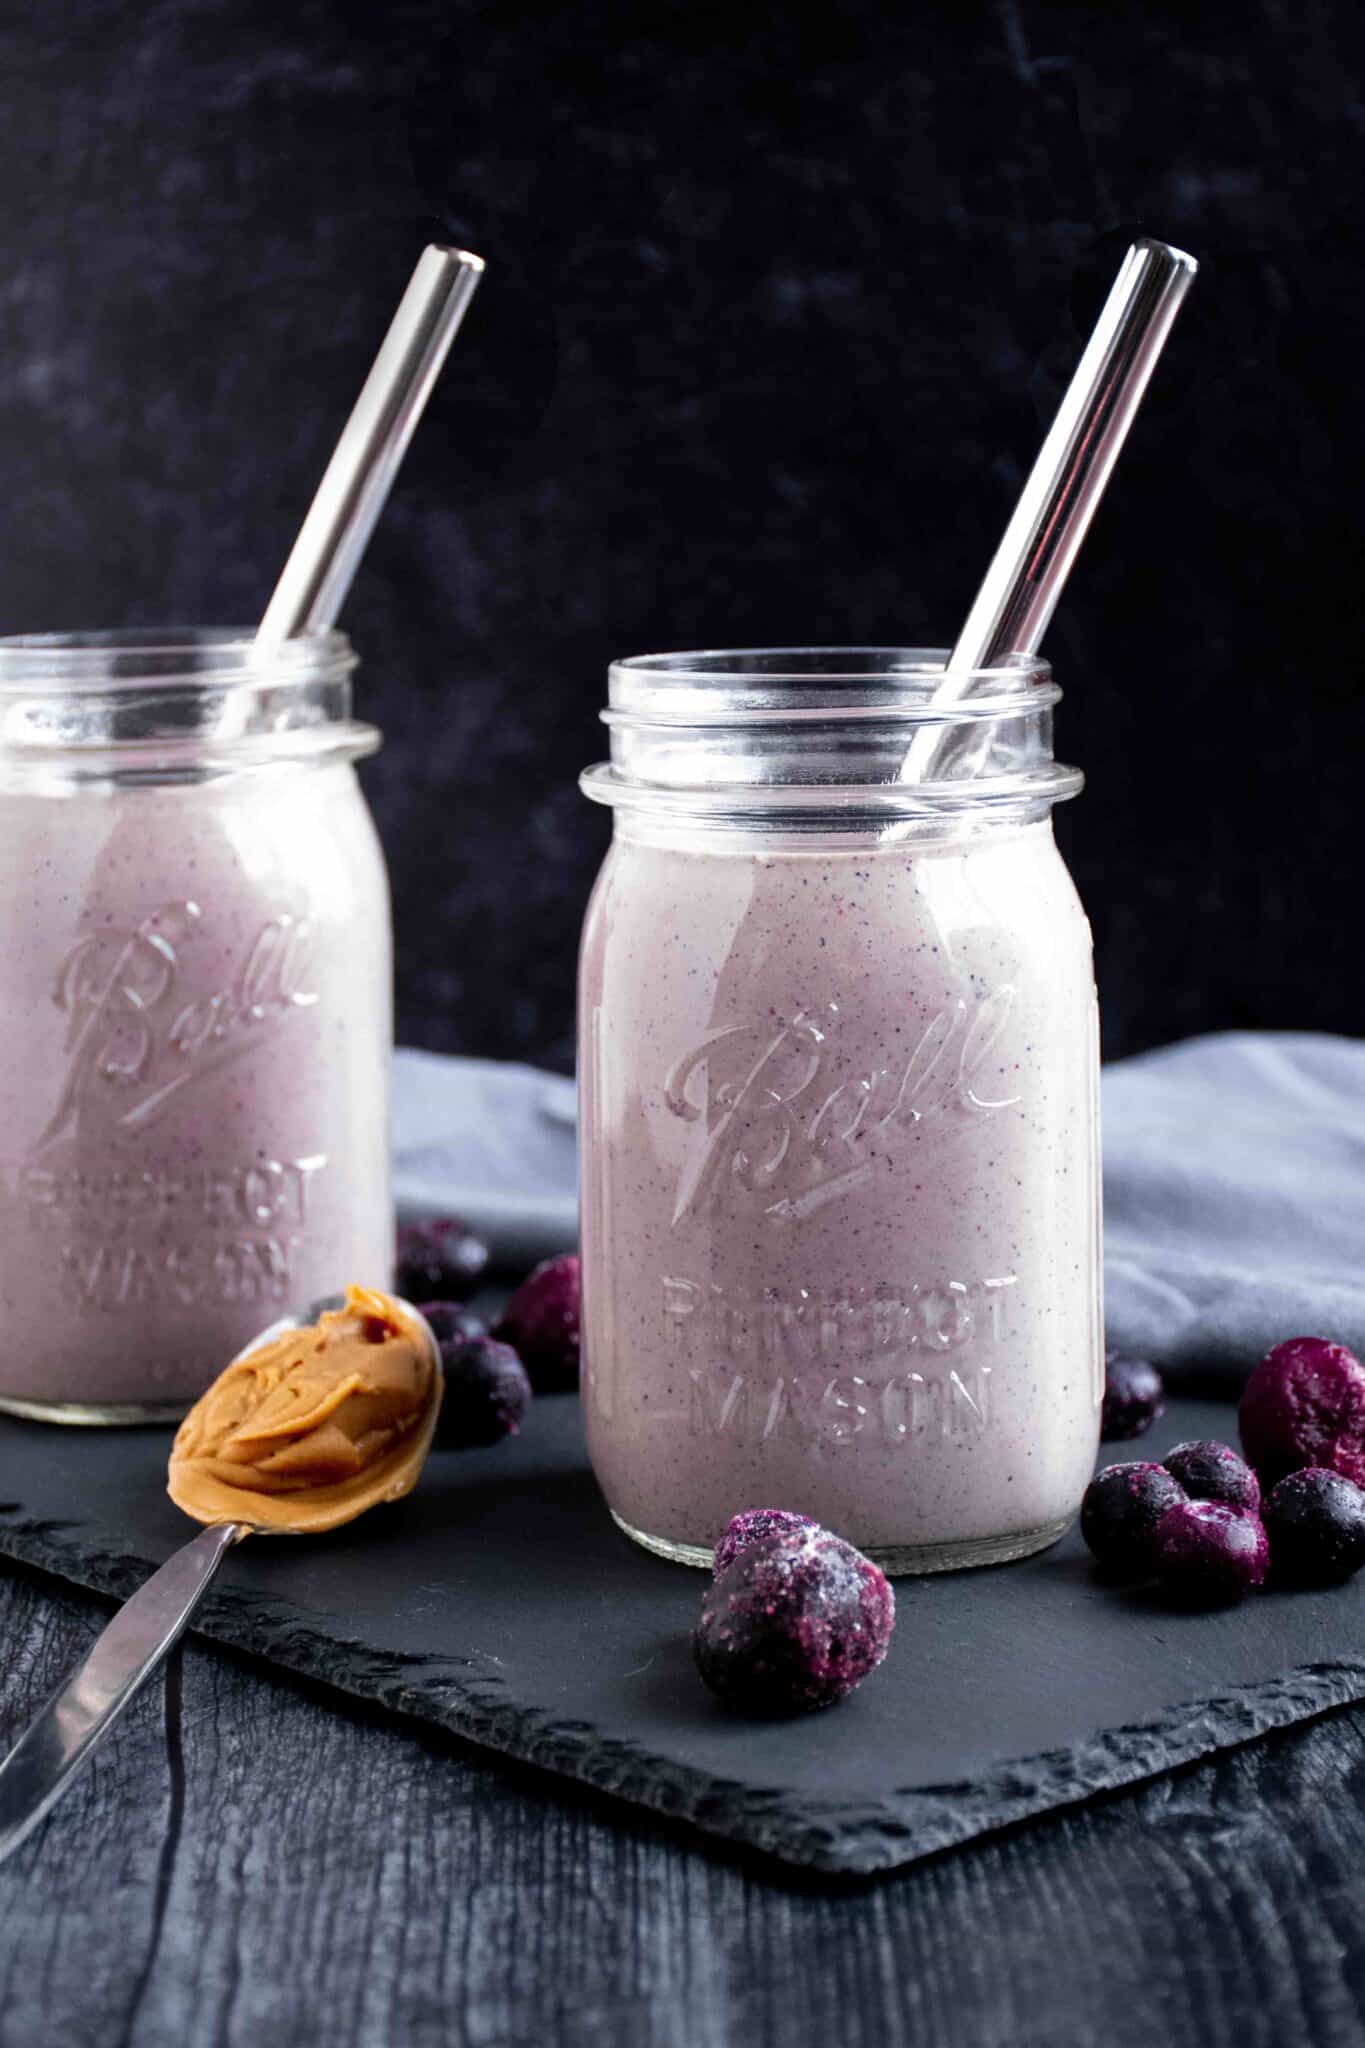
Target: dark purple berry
(1212, 1471)
(1134, 1396)
(1315, 1520)
(755, 1525)
(439, 1260)
(487, 1394)
(793, 1624)
(451, 1322)
(540, 1322)
(1305, 1405)
(1208, 1554)
(1119, 1515)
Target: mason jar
(195, 987)
(838, 1070)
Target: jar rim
(828, 733)
(173, 703)
(136, 657)
(746, 667)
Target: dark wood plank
(79, 1902)
(253, 1859)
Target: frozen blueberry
(452, 1322)
(540, 1322)
(1305, 1405)
(439, 1260)
(793, 1623)
(1315, 1520)
(1134, 1396)
(1208, 1554)
(486, 1396)
(1212, 1471)
(755, 1525)
(1119, 1514)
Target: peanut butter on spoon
(303, 1432)
(314, 1425)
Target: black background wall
(777, 304)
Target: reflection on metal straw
(374, 441)
(1034, 558)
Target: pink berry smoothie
(840, 1193)
(193, 1099)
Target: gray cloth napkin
(493, 1142)
(1234, 1198)
(1234, 1185)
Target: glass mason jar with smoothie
(196, 958)
(195, 984)
(838, 1069)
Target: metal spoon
(85, 1707)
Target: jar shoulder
(868, 902)
(227, 854)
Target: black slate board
(501, 1603)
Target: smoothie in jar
(195, 969)
(840, 1198)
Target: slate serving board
(500, 1602)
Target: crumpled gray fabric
(1234, 1185)
(1234, 1199)
(491, 1141)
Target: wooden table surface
(251, 1860)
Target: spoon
(68, 1730)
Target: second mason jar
(838, 1069)
(195, 985)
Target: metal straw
(374, 441)
(1034, 558)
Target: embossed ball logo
(774, 1120)
(137, 1036)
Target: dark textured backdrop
(777, 301)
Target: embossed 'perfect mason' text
(835, 1408)
(831, 1368)
(167, 1234)
(806, 1326)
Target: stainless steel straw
(374, 441)
(1034, 558)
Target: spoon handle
(82, 1711)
